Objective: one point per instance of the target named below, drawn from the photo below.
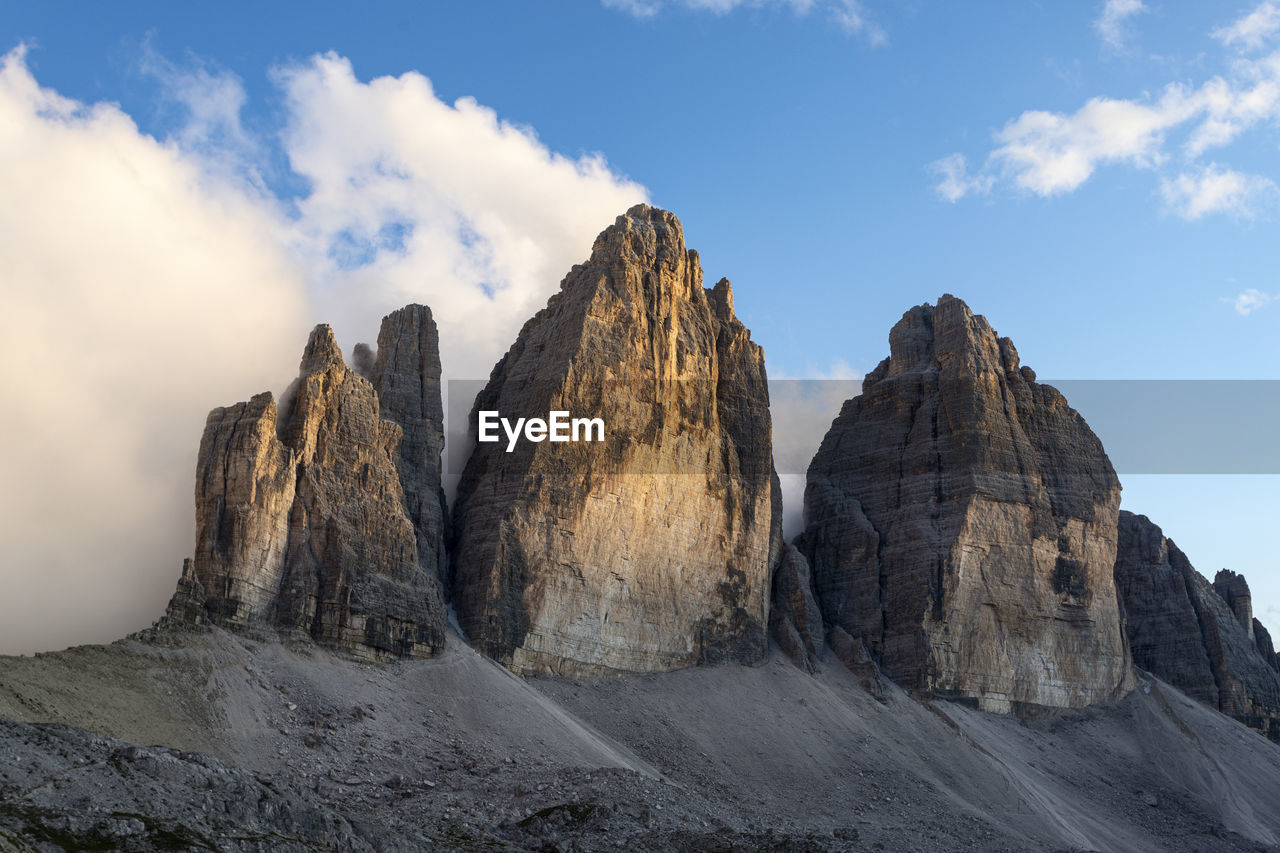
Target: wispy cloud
(211, 101)
(849, 15)
(1248, 301)
(1111, 22)
(1214, 189)
(1051, 153)
(1253, 30)
(956, 182)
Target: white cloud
(210, 101)
(143, 284)
(848, 15)
(1215, 189)
(138, 293)
(1253, 30)
(1051, 153)
(1249, 301)
(1110, 24)
(956, 182)
(416, 199)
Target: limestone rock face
(1183, 630)
(961, 525)
(1159, 591)
(245, 486)
(302, 522)
(650, 550)
(406, 375)
(1234, 590)
(795, 620)
(1265, 647)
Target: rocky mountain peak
(652, 549)
(931, 337)
(961, 524)
(721, 297)
(324, 525)
(322, 351)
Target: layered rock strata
(649, 550)
(961, 525)
(322, 515)
(1191, 633)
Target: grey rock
(651, 550)
(406, 375)
(795, 620)
(961, 525)
(1183, 630)
(1263, 639)
(302, 521)
(1234, 590)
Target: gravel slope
(263, 744)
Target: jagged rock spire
(651, 550)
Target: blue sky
(1099, 179)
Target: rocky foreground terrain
(970, 646)
(204, 739)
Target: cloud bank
(1052, 153)
(146, 281)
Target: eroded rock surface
(961, 525)
(1263, 639)
(302, 521)
(406, 375)
(1190, 632)
(1234, 590)
(795, 619)
(650, 550)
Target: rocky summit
(961, 525)
(323, 515)
(650, 550)
(1200, 637)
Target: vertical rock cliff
(322, 515)
(650, 550)
(961, 525)
(1192, 633)
(406, 375)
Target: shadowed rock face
(1263, 638)
(406, 375)
(961, 524)
(321, 516)
(652, 549)
(1192, 634)
(795, 619)
(1234, 590)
